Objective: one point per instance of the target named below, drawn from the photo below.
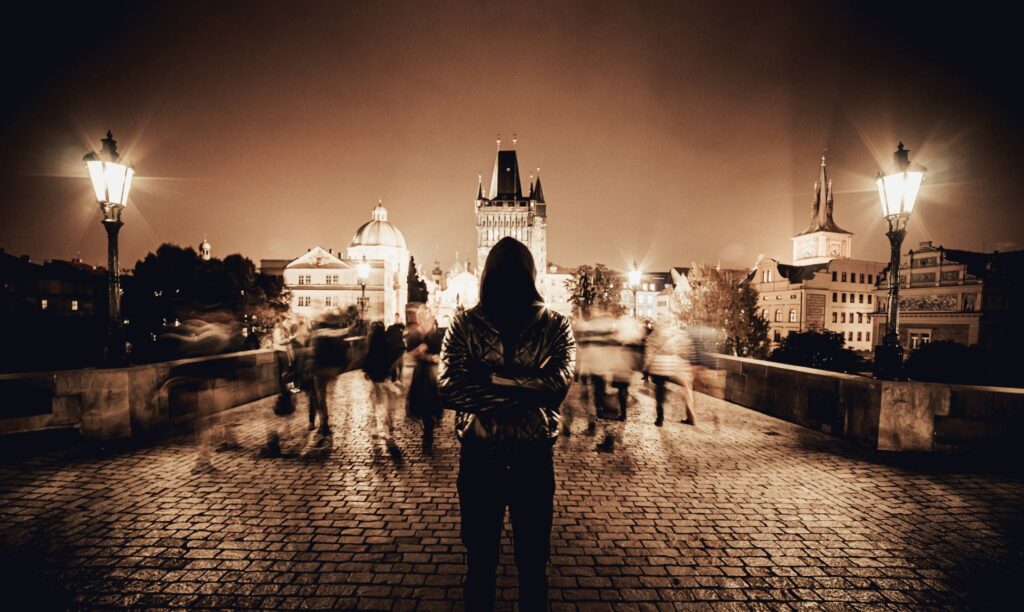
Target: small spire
(514, 140)
(499, 142)
(479, 187)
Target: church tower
(823, 240)
(205, 250)
(505, 211)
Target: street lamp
(897, 192)
(634, 282)
(111, 181)
(363, 269)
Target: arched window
(792, 315)
(778, 314)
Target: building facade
(505, 211)
(958, 296)
(824, 289)
(322, 280)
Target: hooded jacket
(511, 335)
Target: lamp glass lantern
(898, 189)
(363, 269)
(111, 180)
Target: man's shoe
(607, 445)
(591, 428)
(658, 423)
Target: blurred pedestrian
(377, 367)
(423, 402)
(396, 343)
(668, 357)
(506, 365)
(330, 358)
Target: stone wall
(137, 401)
(887, 415)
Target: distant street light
(363, 269)
(634, 282)
(897, 191)
(111, 181)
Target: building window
(328, 301)
(835, 297)
(74, 304)
(792, 315)
(843, 320)
(870, 279)
(43, 303)
(835, 317)
(849, 336)
(919, 338)
(860, 298)
(862, 277)
(844, 277)
(766, 276)
(867, 336)
(776, 336)
(858, 336)
(844, 298)
(869, 298)
(860, 317)
(834, 275)
(778, 314)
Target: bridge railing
(108, 404)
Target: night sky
(669, 133)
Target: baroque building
(957, 296)
(323, 280)
(824, 289)
(505, 211)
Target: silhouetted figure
(506, 365)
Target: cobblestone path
(741, 511)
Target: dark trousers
(621, 389)
(428, 431)
(524, 482)
(659, 394)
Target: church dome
(378, 232)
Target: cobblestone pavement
(740, 511)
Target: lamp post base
(889, 359)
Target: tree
(594, 288)
(417, 288)
(821, 350)
(723, 300)
(174, 284)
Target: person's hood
(508, 289)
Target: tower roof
(538, 193)
(821, 206)
(505, 183)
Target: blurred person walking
(423, 402)
(506, 365)
(668, 357)
(377, 367)
(396, 343)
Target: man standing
(506, 365)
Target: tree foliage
(175, 284)
(723, 300)
(821, 350)
(594, 288)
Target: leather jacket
(524, 408)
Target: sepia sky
(665, 132)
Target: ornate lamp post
(634, 282)
(363, 268)
(897, 191)
(111, 180)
